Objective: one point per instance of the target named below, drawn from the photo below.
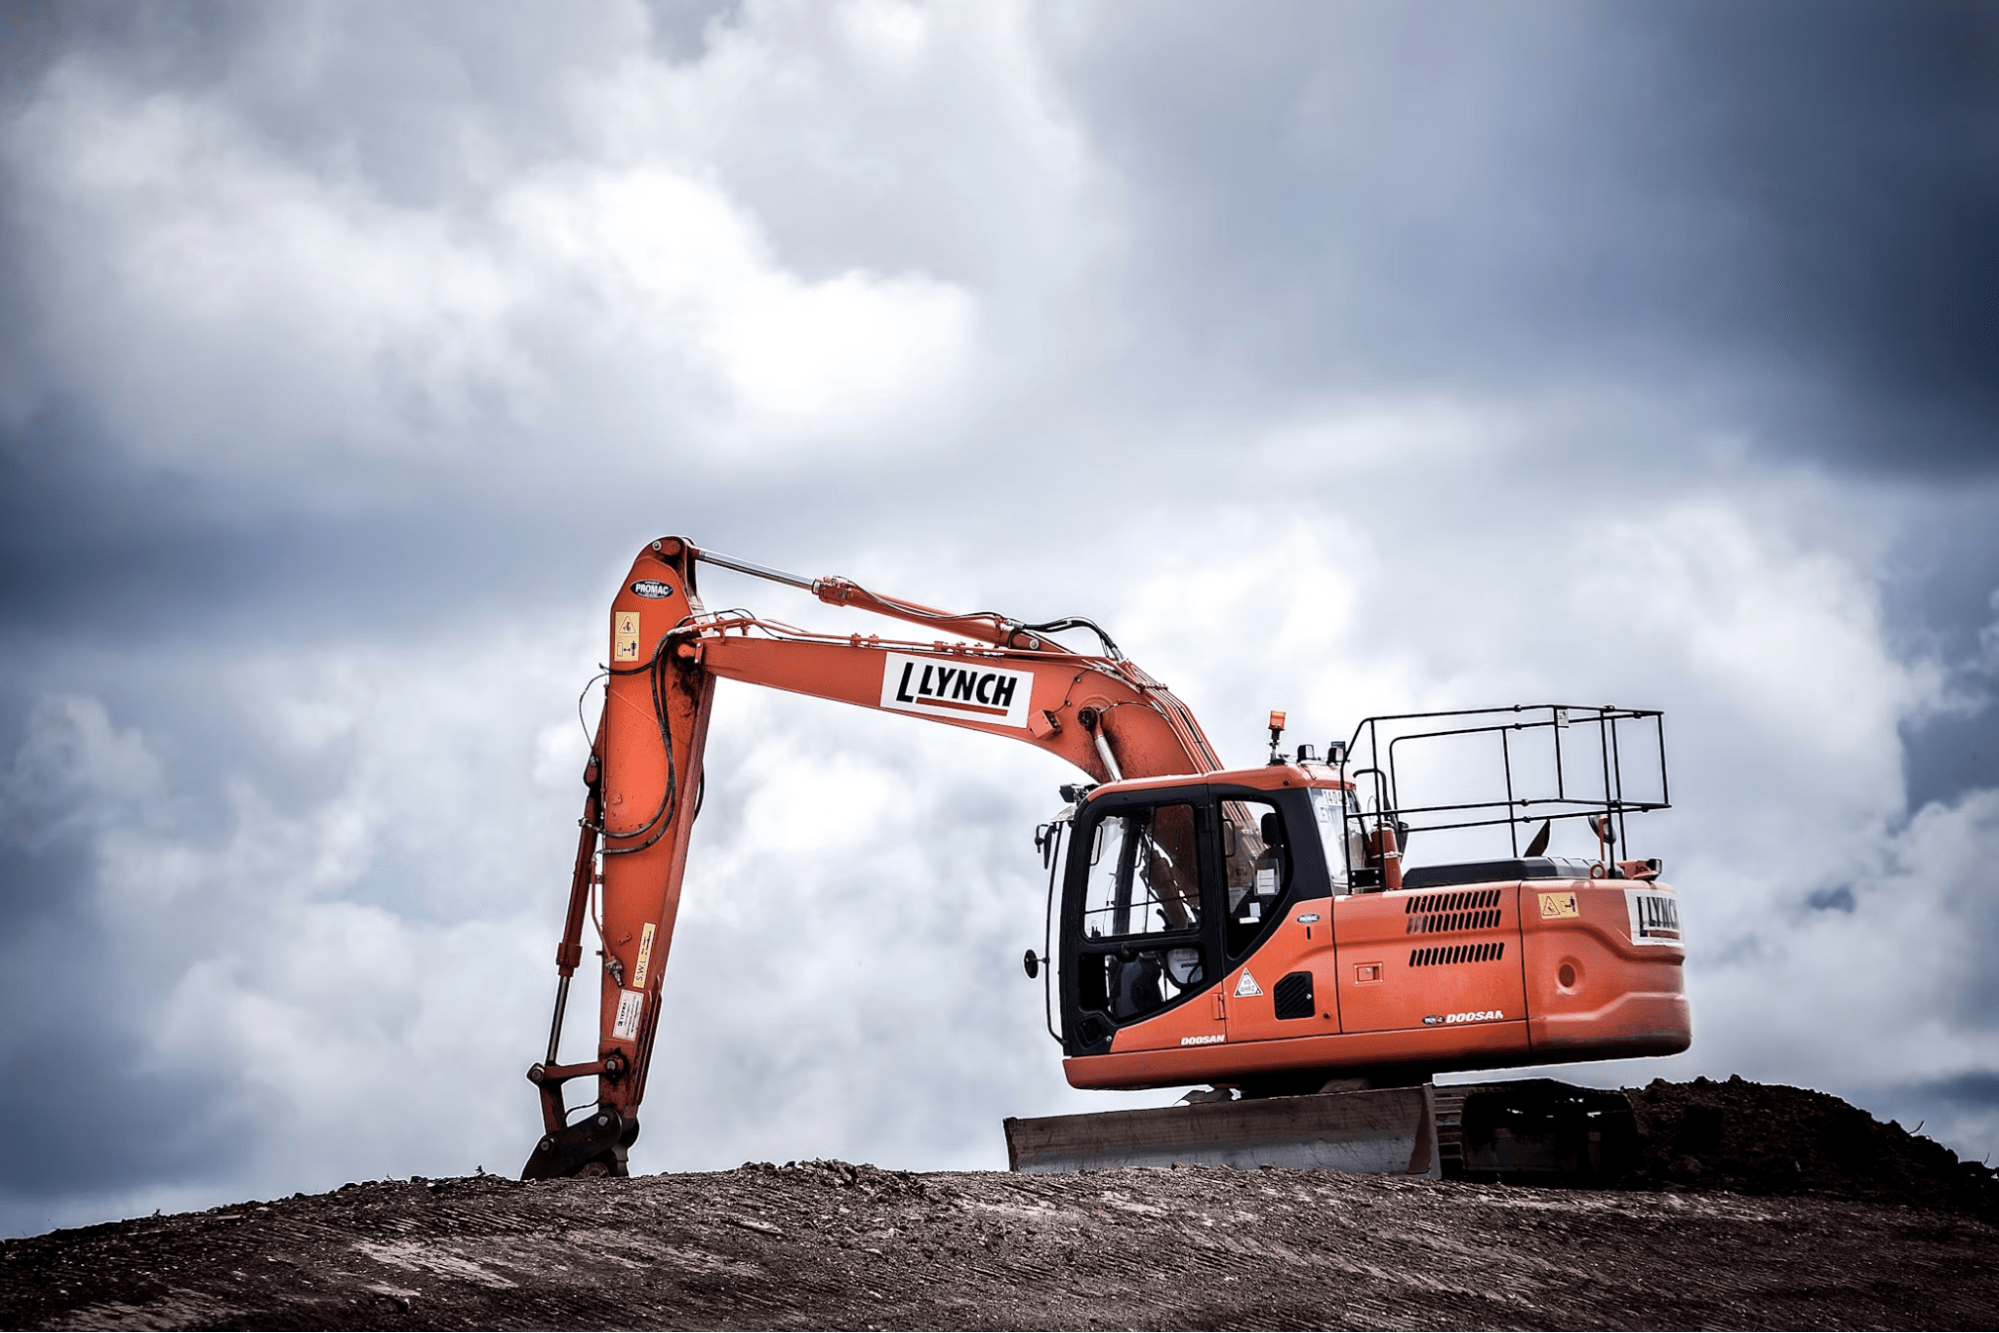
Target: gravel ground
(827, 1244)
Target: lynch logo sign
(1655, 916)
(965, 688)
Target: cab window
(1145, 874)
(1142, 948)
(1256, 868)
(1335, 810)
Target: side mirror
(1032, 964)
(1047, 839)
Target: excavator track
(1449, 1106)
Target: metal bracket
(605, 1137)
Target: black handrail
(1613, 803)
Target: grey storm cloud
(1343, 357)
(1780, 208)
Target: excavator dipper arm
(995, 674)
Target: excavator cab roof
(1264, 777)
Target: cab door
(1277, 930)
(1139, 938)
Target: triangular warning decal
(1247, 986)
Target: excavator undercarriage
(1526, 1131)
(1260, 930)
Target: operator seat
(1135, 986)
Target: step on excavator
(1260, 931)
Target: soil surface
(1735, 1222)
(1757, 1138)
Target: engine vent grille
(1468, 909)
(1463, 901)
(1292, 996)
(1445, 955)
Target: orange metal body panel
(1295, 946)
(642, 888)
(1471, 1046)
(1195, 1025)
(1388, 980)
(1622, 999)
(1498, 998)
(1264, 777)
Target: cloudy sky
(1342, 358)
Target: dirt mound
(831, 1245)
(1760, 1138)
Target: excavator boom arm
(1099, 712)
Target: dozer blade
(1384, 1131)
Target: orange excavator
(1256, 929)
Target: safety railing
(1554, 762)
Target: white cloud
(233, 308)
(243, 313)
(76, 769)
(661, 268)
(1894, 990)
(393, 933)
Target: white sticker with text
(1655, 915)
(631, 1004)
(966, 688)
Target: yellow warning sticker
(1555, 905)
(645, 957)
(624, 636)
